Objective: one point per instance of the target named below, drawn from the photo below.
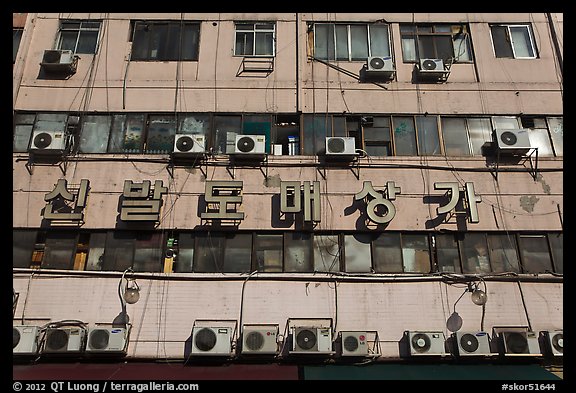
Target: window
(16, 37)
(165, 40)
(326, 253)
(255, 39)
(127, 134)
(404, 136)
(377, 136)
(538, 134)
(475, 256)
(298, 252)
(447, 254)
(428, 142)
(160, 136)
(59, 250)
(95, 133)
(317, 128)
(557, 247)
(535, 254)
(223, 252)
(415, 253)
(184, 252)
(23, 124)
(455, 136)
(358, 253)
(513, 41)
(435, 42)
(79, 36)
(503, 254)
(350, 42)
(268, 249)
(556, 128)
(23, 242)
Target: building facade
(361, 187)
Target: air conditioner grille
(306, 339)
(99, 339)
(421, 342)
(558, 342)
(377, 63)
(336, 145)
(351, 343)
(205, 339)
(429, 64)
(57, 339)
(469, 342)
(185, 143)
(42, 140)
(516, 342)
(245, 144)
(51, 56)
(255, 341)
(15, 337)
(508, 138)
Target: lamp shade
(131, 295)
(479, 297)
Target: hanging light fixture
(479, 297)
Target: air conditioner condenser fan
(205, 339)
(245, 144)
(306, 339)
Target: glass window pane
(539, 138)
(462, 48)
(269, 251)
(342, 52)
(447, 253)
(358, 253)
(426, 48)
(51, 122)
(380, 134)
(376, 150)
(428, 141)
(324, 41)
(148, 253)
(556, 127)
(387, 253)
(503, 254)
(68, 40)
(557, 244)
(404, 136)
(298, 256)
(209, 252)
(444, 48)
(161, 134)
(22, 134)
(119, 251)
(480, 132)
(158, 42)
(326, 253)
(141, 42)
(95, 133)
(416, 253)
(87, 42)
(408, 48)
(475, 258)
(502, 47)
(127, 131)
(264, 44)
(184, 258)
(535, 254)
(455, 136)
(238, 253)
(244, 43)
(194, 124)
(505, 123)
(95, 259)
(22, 247)
(316, 128)
(226, 129)
(59, 250)
(379, 41)
(520, 37)
(190, 42)
(359, 42)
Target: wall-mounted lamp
(131, 293)
(479, 297)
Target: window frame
(415, 34)
(349, 40)
(78, 31)
(254, 31)
(528, 27)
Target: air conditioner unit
(211, 341)
(553, 342)
(426, 343)
(107, 340)
(64, 340)
(189, 144)
(48, 142)
(260, 339)
(340, 145)
(379, 64)
(472, 343)
(311, 340)
(513, 140)
(25, 340)
(354, 343)
(250, 144)
(431, 66)
(519, 343)
(57, 60)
